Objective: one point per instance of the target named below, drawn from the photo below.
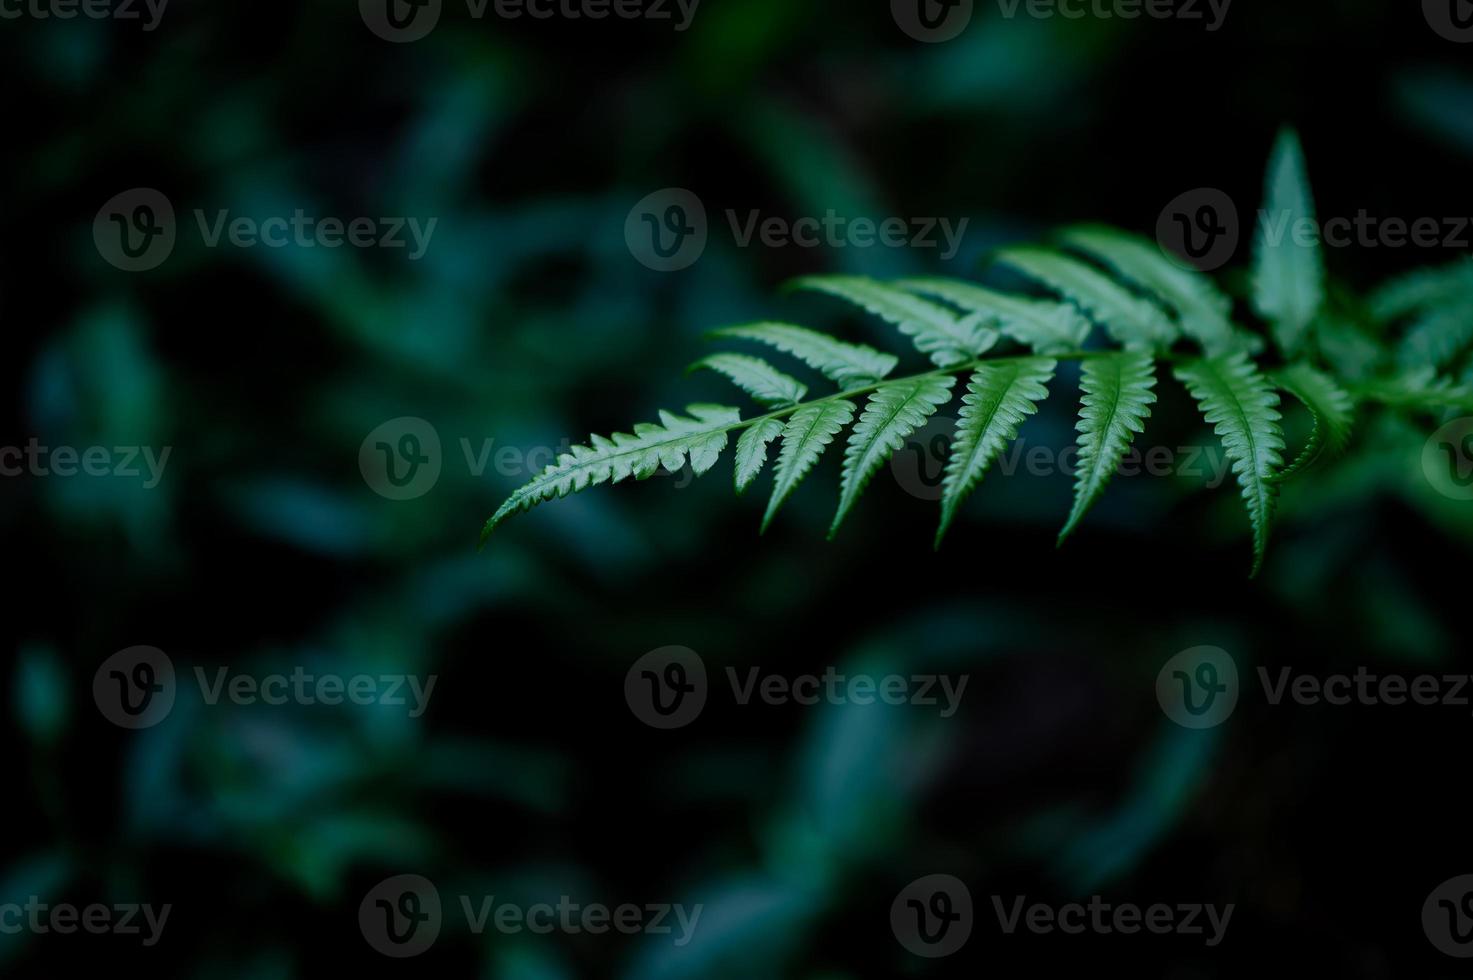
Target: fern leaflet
(1236, 398)
(999, 397)
(947, 339)
(1331, 408)
(892, 414)
(751, 451)
(1132, 321)
(756, 377)
(701, 438)
(1288, 277)
(1049, 328)
(1117, 399)
(1202, 310)
(846, 365)
(808, 433)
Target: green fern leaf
(701, 438)
(1331, 408)
(1443, 332)
(947, 339)
(1422, 290)
(808, 433)
(756, 377)
(1288, 277)
(999, 397)
(1132, 321)
(1049, 328)
(1243, 406)
(847, 365)
(1116, 403)
(892, 414)
(751, 451)
(1202, 310)
(1419, 390)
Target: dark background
(529, 322)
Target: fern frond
(1288, 277)
(1202, 311)
(1421, 290)
(892, 414)
(1331, 408)
(808, 433)
(999, 397)
(1132, 321)
(1242, 405)
(1419, 390)
(947, 339)
(701, 438)
(1439, 336)
(1048, 328)
(1117, 398)
(846, 365)
(756, 377)
(751, 450)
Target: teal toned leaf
(1288, 273)
(1422, 290)
(1132, 321)
(808, 433)
(1116, 402)
(946, 338)
(847, 365)
(1049, 328)
(700, 438)
(1331, 407)
(1439, 336)
(1420, 390)
(756, 377)
(1202, 310)
(892, 414)
(1242, 405)
(999, 397)
(751, 450)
